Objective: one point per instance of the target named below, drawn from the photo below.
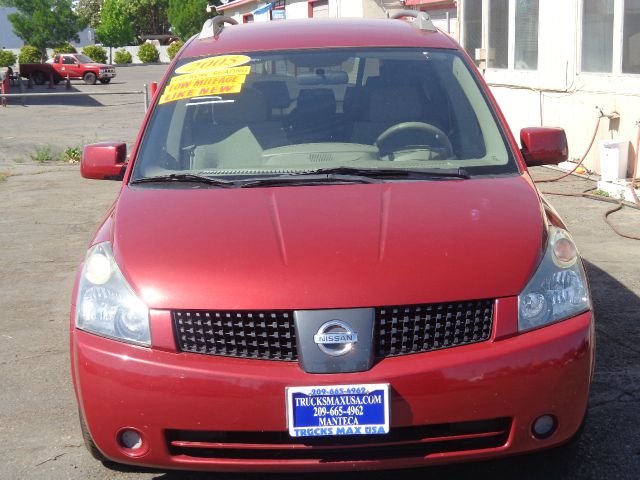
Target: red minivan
(327, 254)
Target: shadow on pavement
(609, 446)
(78, 101)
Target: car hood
(329, 246)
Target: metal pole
(70, 94)
(145, 93)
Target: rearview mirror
(543, 146)
(104, 161)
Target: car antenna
(214, 26)
(422, 19)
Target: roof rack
(422, 19)
(213, 26)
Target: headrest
(249, 106)
(317, 101)
(276, 93)
(387, 104)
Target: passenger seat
(242, 126)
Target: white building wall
(558, 94)
(446, 20)
(300, 9)
(347, 8)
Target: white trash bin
(614, 155)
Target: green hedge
(148, 53)
(96, 53)
(122, 56)
(174, 48)
(7, 58)
(29, 54)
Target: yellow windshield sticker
(213, 64)
(201, 84)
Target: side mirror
(543, 146)
(104, 161)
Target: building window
(498, 34)
(247, 18)
(278, 11)
(472, 23)
(318, 8)
(507, 31)
(631, 37)
(526, 51)
(597, 35)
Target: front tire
(89, 78)
(88, 441)
(104, 81)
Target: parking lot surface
(48, 214)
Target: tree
(44, 23)
(114, 29)
(187, 16)
(89, 11)
(7, 58)
(148, 17)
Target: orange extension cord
(619, 203)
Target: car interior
(321, 109)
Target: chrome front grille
(271, 335)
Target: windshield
(276, 113)
(84, 59)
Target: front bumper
(163, 394)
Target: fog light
(130, 439)
(544, 426)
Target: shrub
(148, 53)
(174, 48)
(96, 53)
(122, 56)
(43, 154)
(65, 48)
(29, 54)
(71, 155)
(7, 58)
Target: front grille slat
(271, 335)
(259, 335)
(398, 443)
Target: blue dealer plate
(333, 410)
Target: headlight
(106, 304)
(558, 290)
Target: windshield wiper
(309, 178)
(394, 172)
(184, 178)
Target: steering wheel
(438, 134)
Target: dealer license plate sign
(333, 410)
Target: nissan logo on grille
(335, 338)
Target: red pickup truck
(73, 65)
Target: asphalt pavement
(48, 214)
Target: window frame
(278, 5)
(311, 4)
(511, 37)
(618, 39)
